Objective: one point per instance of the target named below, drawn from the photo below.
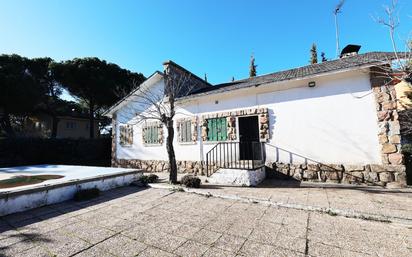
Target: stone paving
(132, 221)
(377, 201)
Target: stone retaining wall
(160, 166)
(348, 174)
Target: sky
(216, 37)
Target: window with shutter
(185, 131)
(217, 129)
(152, 134)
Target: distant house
(334, 121)
(74, 125)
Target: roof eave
(156, 76)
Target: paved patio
(133, 221)
(375, 202)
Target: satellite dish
(350, 50)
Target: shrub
(152, 178)
(144, 179)
(86, 194)
(191, 181)
(407, 149)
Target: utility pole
(336, 12)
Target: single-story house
(334, 121)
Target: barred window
(217, 129)
(185, 128)
(126, 135)
(153, 134)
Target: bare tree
(400, 69)
(160, 104)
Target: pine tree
(233, 79)
(323, 56)
(313, 54)
(252, 67)
(206, 77)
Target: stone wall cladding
(191, 167)
(262, 113)
(372, 174)
(388, 118)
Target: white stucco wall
(334, 122)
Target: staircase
(236, 156)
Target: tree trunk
(6, 125)
(171, 151)
(91, 119)
(55, 122)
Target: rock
(395, 185)
(310, 175)
(395, 139)
(394, 168)
(334, 176)
(313, 167)
(349, 167)
(388, 105)
(388, 148)
(383, 115)
(386, 176)
(394, 128)
(370, 177)
(401, 178)
(383, 138)
(395, 158)
(355, 177)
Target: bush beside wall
(32, 151)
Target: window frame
(125, 135)
(217, 129)
(152, 130)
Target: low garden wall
(32, 151)
(349, 174)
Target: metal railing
(235, 155)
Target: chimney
(350, 50)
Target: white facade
(333, 122)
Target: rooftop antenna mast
(336, 12)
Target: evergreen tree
(313, 54)
(323, 56)
(233, 79)
(252, 67)
(206, 77)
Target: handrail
(248, 155)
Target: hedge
(32, 151)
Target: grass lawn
(26, 180)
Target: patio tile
(206, 237)
(88, 232)
(36, 251)
(155, 252)
(251, 248)
(186, 231)
(94, 251)
(318, 249)
(165, 241)
(191, 248)
(290, 242)
(216, 252)
(122, 246)
(63, 245)
(230, 243)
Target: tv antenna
(336, 12)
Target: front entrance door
(249, 147)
